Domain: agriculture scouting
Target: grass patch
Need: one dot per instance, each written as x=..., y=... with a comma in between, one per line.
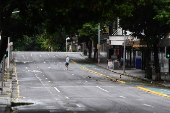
x=13, y=104
x=8, y=91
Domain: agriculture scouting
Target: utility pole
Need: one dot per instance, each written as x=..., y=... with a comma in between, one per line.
x=8, y=52
x=124, y=52
x=8, y=58
x=98, y=45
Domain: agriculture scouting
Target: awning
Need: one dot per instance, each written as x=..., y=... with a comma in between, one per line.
x=139, y=43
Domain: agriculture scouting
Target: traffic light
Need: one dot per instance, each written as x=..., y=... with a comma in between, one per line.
x=6, y=54
x=168, y=52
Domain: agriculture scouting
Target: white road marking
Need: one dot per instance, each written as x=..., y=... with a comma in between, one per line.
x=102, y=89
x=56, y=89
x=122, y=97
x=78, y=105
x=67, y=97
x=148, y=105
x=40, y=55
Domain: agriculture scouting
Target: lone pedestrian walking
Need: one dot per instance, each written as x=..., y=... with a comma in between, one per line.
x=67, y=62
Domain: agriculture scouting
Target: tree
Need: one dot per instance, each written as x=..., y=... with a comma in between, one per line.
x=87, y=34
x=35, y=16
x=16, y=25
x=142, y=21
x=163, y=11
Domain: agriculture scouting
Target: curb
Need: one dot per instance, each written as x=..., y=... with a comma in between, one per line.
x=153, y=92
x=111, y=78
x=134, y=77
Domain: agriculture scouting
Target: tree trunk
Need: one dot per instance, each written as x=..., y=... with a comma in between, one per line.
x=89, y=46
x=156, y=63
x=148, y=63
x=95, y=54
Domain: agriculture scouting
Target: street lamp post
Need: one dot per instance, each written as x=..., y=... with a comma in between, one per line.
x=15, y=12
x=66, y=42
x=9, y=45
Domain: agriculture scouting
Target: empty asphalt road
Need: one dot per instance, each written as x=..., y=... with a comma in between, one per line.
x=84, y=88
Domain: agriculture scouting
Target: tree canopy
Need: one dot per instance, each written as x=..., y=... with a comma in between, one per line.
x=35, y=16
x=54, y=16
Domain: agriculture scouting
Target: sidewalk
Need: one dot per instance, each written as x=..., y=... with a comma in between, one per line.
x=5, y=96
x=132, y=72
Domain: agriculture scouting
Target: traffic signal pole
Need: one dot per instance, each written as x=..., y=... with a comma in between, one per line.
x=169, y=66
x=167, y=51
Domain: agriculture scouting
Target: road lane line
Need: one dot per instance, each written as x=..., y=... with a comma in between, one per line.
x=56, y=89
x=78, y=105
x=67, y=97
x=122, y=97
x=148, y=105
x=102, y=89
